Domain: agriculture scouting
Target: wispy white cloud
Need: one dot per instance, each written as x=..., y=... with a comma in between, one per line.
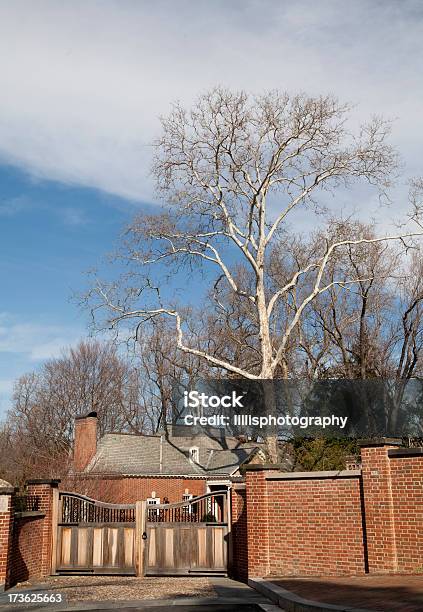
x=35, y=342
x=86, y=80
x=13, y=206
x=68, y=215
x=73, y=216
x=25, y=345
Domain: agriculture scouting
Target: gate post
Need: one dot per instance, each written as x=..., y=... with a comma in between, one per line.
x=140, y=528
x=43, y=489
x=258, y=518
x=228, y=518
x=54, y=527
x=239, y=535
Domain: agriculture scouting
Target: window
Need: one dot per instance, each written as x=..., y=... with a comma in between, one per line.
x=153, y=501
x=194, y=454
x=186, y=497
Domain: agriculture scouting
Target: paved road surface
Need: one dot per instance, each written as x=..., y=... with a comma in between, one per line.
x=231, y=596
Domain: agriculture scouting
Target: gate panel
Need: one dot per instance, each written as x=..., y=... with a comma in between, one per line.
x=94, y=537
x=187, y=538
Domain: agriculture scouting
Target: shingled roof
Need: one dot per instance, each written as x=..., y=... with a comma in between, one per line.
x=138, y=455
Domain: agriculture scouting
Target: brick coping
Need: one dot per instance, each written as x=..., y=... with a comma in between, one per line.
x=8, y=490
x=405, y=452
x=261, y=467
x=54, y=482
x=315, y=475
x=380, y=442
x=29, y=514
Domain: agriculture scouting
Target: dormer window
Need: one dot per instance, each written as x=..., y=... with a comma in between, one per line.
x=194, y=454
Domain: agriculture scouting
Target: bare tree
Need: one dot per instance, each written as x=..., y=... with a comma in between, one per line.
x=374, y=329
x=233, y=171
x=39, y=426
x=344, y=333
x=162, y=368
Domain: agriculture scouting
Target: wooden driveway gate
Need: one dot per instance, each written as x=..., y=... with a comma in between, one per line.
x=94, y=537
x=190, y=537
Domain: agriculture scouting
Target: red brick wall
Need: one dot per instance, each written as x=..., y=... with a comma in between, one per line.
x=315, y=527
x=407, y=501
x=128, y=490
x=239, y=564
x=30, y=552
x=328, y=523
x=26, y=555
x=338, y=525
x=5, y=538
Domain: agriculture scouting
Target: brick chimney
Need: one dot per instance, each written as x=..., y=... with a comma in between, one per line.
x=85, y=443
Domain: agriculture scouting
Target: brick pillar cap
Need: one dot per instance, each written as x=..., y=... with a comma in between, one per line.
x=54, y=482
x=380, y=442
x=8, y=490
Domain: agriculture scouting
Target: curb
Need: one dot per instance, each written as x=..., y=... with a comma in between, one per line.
x=165, y=604
x=294, y=603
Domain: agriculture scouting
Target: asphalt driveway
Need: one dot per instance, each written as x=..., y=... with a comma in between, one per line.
x=98, y=593
x=122, y=588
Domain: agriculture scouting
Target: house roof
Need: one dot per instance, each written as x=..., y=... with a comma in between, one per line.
x=227, y=461
x=138, y=455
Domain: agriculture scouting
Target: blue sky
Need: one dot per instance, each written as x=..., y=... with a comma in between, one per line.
x=50, y=234
x=82, y=85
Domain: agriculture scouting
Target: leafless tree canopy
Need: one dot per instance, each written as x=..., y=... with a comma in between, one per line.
x=235, y=174
x=39, y=428
x=130, y=393
x=233, y=171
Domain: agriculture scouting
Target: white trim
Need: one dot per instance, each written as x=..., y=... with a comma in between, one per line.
x=219, y=483
x=224, y=481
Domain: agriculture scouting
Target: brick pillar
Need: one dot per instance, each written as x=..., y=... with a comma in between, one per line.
x=239, y=536
x=378, y=505
x=43, y=489
x=6, y=526
x=257, y=519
